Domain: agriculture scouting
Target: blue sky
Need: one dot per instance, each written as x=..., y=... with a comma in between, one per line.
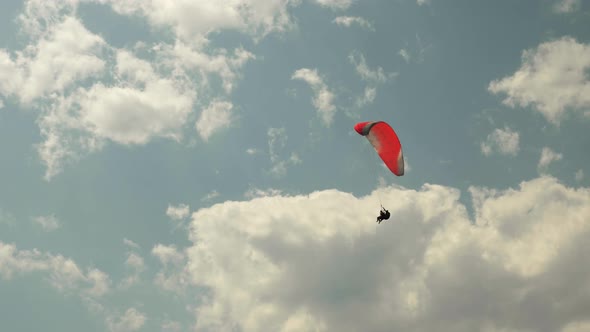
x=192, y=165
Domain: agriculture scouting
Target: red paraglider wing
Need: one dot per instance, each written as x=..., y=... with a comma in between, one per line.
x=386, y=143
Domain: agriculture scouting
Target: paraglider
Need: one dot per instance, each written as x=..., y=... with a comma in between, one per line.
x=385, y=141
x=387, y=145
x=383, y=215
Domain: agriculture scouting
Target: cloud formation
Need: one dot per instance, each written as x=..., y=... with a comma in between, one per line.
x=292, y=264
x=552, y=79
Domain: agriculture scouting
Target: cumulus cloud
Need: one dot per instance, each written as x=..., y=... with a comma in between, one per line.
x=552, y=79
x=294, y=264
x=547, y=157
x=90, y=93
x=348, y=21
x=67, y=53
x=215, y=117
x=131, y=320
x=47, y=223
x=567, y=6
x=193, y=21
x=504, y=141
x=323, y=99
x=63, y=273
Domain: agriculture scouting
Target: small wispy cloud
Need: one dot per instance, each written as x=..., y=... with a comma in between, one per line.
x=405, y=54
x=47, y=223
x=277, y=139
x=547, y=157
x=504, y=141
x=567, y=6
x=348, y=21
x=323, y=99
x=335, y=4
x=257, y=192
x=211, y=195
x=216, y=116
x=130, y=243
x=252, y=151
x=178, y=212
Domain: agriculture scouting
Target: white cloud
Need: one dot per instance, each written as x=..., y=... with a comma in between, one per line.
x=428, y=268
x=579, y=176
x=552, y=79
x=131, y=320
x=348, y=21
x=1, y=104
x=90, y=93
x=567, y=6
x=215, y=117
x=323, y=99
x=143, y=106
x=63, y=273
x=335, y=4
x=178, y=212
x=504, y=141
x=47, y=223
x=65, y=55
x=423, y=2
x=225, y=65
x=547, y=157
x=194, y=20
x=131, y=115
